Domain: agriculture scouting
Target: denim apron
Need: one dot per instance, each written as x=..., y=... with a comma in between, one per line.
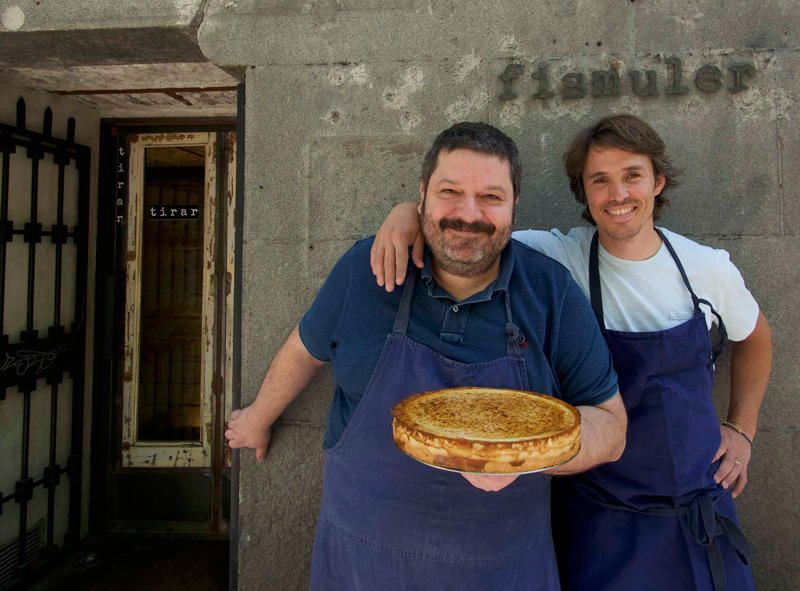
x=656, y=519
x=390, y=523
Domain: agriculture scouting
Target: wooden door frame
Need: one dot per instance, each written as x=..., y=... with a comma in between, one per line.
x=167, y=454
x=110, y=297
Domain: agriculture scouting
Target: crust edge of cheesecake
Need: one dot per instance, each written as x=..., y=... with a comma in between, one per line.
x=482, y=456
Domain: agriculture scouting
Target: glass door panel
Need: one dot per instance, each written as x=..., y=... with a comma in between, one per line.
x=170, y=321
x=170, y=335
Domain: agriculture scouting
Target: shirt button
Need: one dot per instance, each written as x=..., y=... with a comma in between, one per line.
x=455, y=308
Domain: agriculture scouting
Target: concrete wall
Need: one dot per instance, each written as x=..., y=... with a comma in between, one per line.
x=343, y=98
x=34, y=15
x=41, y=34
x=87, y=130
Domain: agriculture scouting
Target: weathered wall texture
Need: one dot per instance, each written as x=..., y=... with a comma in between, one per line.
x=98, y=32
x=87, y=124
x=34, y=15
x=343, y=98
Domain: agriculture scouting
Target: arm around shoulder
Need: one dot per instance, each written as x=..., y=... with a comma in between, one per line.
x=389, y=254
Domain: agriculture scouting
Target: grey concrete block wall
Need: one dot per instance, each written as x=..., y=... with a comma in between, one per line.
x=343, y=98
x=55, y=35
x=358, y=31
x=789, y=134
x=769, y=508
x=91, y=14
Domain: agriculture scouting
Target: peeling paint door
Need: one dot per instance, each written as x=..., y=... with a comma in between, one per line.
x=177, y=350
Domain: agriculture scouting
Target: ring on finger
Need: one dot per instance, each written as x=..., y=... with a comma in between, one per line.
x=738, y=463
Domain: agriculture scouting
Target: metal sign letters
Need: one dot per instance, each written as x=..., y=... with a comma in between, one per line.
x=574, y=85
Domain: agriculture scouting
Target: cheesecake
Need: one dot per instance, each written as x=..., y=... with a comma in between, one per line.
x=487, y=430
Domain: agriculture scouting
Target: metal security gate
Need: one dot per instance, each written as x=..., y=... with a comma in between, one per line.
x=43, y=267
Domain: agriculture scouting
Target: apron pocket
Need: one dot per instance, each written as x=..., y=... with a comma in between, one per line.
x=694, y=435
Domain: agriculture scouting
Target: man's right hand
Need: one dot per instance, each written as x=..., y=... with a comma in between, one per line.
x=243, y=431
x=389, y=255
x=490, y=482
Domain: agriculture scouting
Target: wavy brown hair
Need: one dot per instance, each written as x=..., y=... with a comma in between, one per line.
x=625, y=132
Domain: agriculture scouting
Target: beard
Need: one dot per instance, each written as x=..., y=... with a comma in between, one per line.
x=464, y=256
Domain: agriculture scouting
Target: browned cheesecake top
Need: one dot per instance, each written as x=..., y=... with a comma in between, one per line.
x=486, y=414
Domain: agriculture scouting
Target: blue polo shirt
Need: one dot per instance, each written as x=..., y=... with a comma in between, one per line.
x=351, y=317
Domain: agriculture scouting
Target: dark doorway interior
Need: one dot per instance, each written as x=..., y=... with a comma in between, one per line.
x=172, y=291
x=123, y=564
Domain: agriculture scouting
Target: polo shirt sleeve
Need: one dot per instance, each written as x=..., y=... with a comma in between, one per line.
x=320, y=322
x=583, y=363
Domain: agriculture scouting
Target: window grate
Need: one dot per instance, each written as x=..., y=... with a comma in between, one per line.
x=9, y=554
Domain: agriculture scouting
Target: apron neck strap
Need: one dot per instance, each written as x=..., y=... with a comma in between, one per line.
x=596, y=296
x=515, y=337
x=695, y=299
x=404, y=312
x=594, y=276
x=716, y=349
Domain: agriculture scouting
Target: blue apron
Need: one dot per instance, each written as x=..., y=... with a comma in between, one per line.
x=390, y=523
x=655, y=519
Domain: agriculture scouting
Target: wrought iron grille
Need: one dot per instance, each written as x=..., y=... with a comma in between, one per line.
x=29, y=357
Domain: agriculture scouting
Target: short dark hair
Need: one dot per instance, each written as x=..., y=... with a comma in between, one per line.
x=625, y=132
x=477, y=137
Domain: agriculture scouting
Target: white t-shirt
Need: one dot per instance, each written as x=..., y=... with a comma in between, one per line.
x=641, y=296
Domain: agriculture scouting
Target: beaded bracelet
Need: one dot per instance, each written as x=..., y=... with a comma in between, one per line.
x=738, y=429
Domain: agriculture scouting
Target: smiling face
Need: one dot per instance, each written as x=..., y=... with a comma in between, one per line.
x=467, y=211
x=620, y=191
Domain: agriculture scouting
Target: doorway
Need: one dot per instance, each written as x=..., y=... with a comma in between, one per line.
x=169, y=327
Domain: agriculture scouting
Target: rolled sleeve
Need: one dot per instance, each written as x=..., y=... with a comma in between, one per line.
x=584, y=366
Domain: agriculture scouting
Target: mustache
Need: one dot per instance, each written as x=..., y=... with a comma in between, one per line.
x=462, y=226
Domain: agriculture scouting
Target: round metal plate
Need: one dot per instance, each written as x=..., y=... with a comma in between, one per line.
x=493, y=473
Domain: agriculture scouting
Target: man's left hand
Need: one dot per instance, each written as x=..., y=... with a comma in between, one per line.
x=490, y=483
x=735, y=451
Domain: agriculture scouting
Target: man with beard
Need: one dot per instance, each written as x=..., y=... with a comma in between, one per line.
x=387, y=522
x=662, y=513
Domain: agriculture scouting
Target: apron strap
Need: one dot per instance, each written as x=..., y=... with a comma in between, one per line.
x=404, y=311
x=722, y=333
x=695, y=299
x=716, y=349
x=595, y=294
x=515, y=337
x=705, y=522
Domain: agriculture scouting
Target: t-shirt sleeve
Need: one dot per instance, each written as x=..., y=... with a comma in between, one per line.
x=738, y=307
x=539, y=240
x=583, y=363
x=552, y=244
x=319, y=323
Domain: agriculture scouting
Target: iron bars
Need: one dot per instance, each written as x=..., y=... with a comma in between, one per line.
x=33, y=358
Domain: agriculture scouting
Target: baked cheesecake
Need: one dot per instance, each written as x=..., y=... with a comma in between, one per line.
x=487, y=430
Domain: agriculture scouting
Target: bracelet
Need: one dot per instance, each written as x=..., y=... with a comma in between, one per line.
x=738, y=429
